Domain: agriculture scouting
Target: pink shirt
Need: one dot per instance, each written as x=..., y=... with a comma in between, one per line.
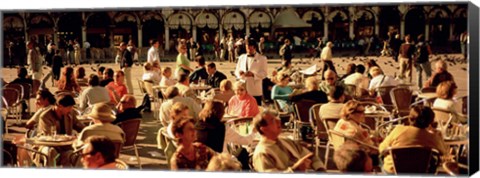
x=245, y=106
x=119, y=89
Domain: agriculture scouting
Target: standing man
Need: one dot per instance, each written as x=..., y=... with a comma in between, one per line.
x=70, y=52
x=34, y=61
x=395, y=43
x=252, y=68
x=86, y=45
x=405, y=58
x=422, y=63
x=153, y=53
x=463, y=44
x=126, y=66
x=261, y=46
x=286, y=51
x=319, y=47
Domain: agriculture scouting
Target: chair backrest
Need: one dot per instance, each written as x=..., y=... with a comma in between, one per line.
x=443, y=118
x=384, y=93
x=329, y=124
x=148, y=88
x=130, y=128
x=413, y=159
x=401, y=98
x=302, y=109
x=316, y=121
x=17, y=87
x=11, y=96
x=27, y=90
x=35, y=86
x=451, y=168
x=141, y=86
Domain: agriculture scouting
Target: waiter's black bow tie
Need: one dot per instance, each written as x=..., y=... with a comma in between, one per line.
x=251, y=55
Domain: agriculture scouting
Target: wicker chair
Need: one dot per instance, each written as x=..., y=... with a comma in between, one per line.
x=131, y=128
x=401, y=99
x=413, y=159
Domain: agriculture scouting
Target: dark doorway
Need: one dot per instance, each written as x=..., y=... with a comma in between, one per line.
x=70, y=27
x=415, y=23
x=98, y=30
x=389, y=20
x=153, y=29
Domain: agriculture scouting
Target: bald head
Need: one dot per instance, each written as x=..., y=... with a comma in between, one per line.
x=330, y=76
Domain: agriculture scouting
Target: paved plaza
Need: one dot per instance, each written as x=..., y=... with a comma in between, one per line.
x=153, y=159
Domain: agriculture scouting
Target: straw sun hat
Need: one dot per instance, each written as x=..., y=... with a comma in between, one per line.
x=102, y=112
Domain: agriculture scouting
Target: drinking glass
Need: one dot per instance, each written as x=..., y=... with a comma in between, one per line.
x=53, y=131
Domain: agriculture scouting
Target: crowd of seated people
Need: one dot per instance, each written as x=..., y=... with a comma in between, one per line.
x=198, y=126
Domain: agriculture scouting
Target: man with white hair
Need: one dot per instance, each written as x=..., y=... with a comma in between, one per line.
x=277, y=154
x=379, y=79
x=441, y=74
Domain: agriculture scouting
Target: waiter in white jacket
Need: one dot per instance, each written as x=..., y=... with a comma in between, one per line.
x=252, y=69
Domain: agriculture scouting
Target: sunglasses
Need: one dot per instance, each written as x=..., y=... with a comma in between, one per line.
x=329, y=78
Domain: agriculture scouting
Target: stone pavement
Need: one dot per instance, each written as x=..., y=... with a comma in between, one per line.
x=153, y=158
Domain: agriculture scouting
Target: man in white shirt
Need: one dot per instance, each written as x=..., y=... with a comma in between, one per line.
x=153, y=54
x=252, y=68
x=94, y=93
x=358, y=79
x=173, y=95
x=277, y=154
x=379, y=79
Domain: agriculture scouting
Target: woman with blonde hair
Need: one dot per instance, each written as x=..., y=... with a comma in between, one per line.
x=445, y=93
x=352, y=117
x=224, y=162
x=242, y=104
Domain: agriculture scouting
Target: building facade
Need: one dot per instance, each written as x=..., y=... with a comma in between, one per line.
x=440, y=24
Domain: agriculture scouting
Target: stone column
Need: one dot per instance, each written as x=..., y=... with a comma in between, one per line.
x=220, y=34
x=451, y=37
x=402, y=29
x=194, y=33
x=351, y=30
x=167, y=38
x=247, y=29
x=427, y=31
x=140, y=36
x=55, y=35
x=84, y=34
x=325, y=29
x=377, y=28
